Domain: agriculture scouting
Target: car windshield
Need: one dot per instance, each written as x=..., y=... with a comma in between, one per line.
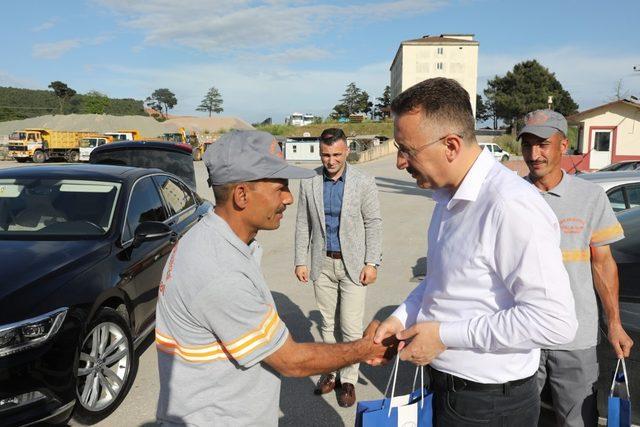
x=36, y=207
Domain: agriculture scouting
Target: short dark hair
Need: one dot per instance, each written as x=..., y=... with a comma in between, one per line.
x=441, y=99
x=222, y=193
x=331, y=135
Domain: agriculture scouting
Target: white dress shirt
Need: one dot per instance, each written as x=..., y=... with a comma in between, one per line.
x=495, y=278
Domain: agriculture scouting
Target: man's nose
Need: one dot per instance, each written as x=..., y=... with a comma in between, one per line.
x=287, y=197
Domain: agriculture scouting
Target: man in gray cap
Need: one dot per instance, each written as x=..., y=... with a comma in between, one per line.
x=221, y=344
x=588, y=225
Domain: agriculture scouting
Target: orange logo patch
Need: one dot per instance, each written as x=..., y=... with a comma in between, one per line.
x=539, y=118
x=572, y=225
x=275, y=149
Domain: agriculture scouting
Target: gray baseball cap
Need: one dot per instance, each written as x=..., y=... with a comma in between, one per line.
x=240, y=156
x=544, y=123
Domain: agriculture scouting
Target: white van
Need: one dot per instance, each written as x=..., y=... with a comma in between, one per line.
x=496, y=150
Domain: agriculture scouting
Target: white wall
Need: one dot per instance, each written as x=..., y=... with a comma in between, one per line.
x=302, y=150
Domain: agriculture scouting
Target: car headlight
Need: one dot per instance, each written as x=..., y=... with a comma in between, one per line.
x=29, y=333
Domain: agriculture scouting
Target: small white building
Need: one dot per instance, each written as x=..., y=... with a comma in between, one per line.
x=454, y=56
x=299, y=119
x=607, y=134
x=302, y=149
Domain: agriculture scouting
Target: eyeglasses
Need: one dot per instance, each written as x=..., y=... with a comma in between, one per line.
x=407, y=153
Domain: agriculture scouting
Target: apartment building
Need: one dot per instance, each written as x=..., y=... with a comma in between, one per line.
x=453, y=56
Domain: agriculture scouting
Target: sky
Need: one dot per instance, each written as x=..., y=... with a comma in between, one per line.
x=274, y=57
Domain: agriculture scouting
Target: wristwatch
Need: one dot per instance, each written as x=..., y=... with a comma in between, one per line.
x=374, y=265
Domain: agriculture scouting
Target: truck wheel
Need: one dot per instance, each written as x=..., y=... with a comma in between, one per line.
x=73, y=156
x=504, y=159
x=106, y=368
x=39, y=157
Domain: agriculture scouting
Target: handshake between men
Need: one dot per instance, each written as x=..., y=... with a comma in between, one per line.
x=419, y=344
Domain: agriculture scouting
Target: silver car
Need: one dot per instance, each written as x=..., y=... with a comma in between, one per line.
x=622, y=188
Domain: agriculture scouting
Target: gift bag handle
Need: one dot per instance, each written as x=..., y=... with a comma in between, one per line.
x=615, y=374
x=394, y=376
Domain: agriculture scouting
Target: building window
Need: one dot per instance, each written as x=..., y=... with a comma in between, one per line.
x=311, y=148
x=440, y=50
x=602, y=141
x=294, y=148
x=439, y=66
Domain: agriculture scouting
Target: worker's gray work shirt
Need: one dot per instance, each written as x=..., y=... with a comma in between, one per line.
x=216, y=322
x=586, y=219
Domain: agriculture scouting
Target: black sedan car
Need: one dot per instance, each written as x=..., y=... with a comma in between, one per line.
x=82, y=250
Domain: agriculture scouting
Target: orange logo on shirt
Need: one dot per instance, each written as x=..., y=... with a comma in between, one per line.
x=169, y=273
x=572, y=225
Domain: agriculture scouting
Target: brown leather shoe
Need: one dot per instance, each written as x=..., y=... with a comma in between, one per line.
x=347, y=395
x=326, y=384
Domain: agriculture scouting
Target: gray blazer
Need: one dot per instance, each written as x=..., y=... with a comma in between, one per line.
x=360, y=224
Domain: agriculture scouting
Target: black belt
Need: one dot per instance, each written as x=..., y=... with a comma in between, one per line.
x=449, y=382
x=334, y=254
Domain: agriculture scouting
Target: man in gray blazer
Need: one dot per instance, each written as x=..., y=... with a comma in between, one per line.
x=339, y=222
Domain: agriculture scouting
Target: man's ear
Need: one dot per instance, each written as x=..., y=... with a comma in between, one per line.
x=564, y=144
x=453, y=144
x=240, y=193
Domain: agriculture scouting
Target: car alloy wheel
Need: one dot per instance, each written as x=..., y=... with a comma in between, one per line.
x=106, y=366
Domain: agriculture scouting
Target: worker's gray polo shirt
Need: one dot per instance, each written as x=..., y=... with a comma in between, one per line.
x=216, y=321
x=586, y=219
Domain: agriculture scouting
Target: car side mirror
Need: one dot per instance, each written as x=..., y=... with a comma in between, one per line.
x=151, y=230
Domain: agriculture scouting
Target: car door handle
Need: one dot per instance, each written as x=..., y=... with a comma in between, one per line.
x=156, y=257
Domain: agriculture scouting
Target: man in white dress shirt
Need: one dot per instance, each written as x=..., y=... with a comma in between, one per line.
x=495, y=289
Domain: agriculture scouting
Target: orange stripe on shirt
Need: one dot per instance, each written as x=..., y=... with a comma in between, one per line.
x=578, y=255
x=607, y=233
x=239, y=349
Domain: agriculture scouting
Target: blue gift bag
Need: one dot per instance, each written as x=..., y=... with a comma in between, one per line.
x=619, y=403
x=414, y=409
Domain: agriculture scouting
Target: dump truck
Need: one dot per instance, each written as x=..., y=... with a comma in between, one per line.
x=42, y=144
x=89, y=142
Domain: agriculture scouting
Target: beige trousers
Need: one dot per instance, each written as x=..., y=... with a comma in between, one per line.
x=333, y=286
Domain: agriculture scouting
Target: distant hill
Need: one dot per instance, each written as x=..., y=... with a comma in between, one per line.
x=18, y=104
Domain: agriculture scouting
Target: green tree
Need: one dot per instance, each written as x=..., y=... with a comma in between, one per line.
x=162, y=100
x=350, y=103
x=364, y=105
x=381, y=110
x=94, y=102
x=212, y=102
x=482, y=112
x=63, y=92
x=526, y=88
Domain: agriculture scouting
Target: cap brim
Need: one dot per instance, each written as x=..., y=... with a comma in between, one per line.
x=539, y=131
x=294, y=172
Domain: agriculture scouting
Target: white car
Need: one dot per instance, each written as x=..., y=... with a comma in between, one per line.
x=496, y=150
x=622, y=188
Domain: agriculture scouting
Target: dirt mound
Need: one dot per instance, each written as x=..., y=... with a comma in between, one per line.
x=209, y=124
